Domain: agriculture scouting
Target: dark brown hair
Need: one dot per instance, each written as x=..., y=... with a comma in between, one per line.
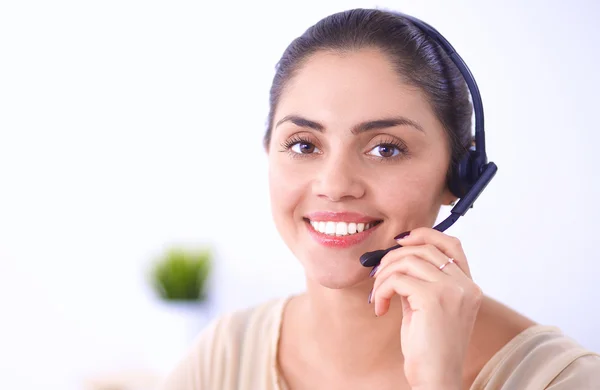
x=418, y=59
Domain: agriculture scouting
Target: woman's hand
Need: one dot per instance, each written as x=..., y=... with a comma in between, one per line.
x=439, y=305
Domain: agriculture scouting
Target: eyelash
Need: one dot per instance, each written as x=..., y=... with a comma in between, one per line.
x=296, y=139
x=401, y=146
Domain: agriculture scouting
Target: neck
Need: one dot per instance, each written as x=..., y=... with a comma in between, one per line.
x=342, y=327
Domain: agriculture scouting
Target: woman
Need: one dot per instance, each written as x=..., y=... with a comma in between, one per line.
x=367, y=117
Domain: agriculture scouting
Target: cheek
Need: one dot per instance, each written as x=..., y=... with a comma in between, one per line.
x=414, y=195
x=287, y=187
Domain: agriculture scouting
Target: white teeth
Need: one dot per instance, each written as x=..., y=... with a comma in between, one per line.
x=340, y=228
x=351, y=228
x=329, y=228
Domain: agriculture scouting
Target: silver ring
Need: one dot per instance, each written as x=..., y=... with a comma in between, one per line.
x=450, y=261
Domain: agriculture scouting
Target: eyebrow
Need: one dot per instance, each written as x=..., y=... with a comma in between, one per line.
x=359, y=128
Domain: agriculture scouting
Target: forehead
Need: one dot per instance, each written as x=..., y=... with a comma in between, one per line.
x=345, y=88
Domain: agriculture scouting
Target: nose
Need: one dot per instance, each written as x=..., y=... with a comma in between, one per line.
x=338, y=179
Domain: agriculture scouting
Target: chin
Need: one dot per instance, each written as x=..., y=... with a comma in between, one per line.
x=336, y=274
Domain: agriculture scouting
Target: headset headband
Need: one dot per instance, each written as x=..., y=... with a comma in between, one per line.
x=469, y=79
x=474, y=164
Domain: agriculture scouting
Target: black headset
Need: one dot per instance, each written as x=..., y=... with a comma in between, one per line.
x=472, y=173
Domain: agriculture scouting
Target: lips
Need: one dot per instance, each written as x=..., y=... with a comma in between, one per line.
x=340, y=230
x=346, y=216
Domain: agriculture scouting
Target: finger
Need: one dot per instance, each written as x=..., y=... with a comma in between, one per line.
x=427, y=253
x=399, y=284
x=408, y=265
x=405, y=306
x=449, y=245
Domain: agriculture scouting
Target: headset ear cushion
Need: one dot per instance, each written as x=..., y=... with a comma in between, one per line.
x=465, y=173
x=461, y=180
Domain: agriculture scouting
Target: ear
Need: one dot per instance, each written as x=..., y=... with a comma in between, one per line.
x=448, y=198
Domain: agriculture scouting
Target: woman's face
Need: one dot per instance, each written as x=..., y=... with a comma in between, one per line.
x=356, y=157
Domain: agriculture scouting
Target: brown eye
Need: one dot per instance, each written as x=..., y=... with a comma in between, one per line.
x=303, y=148
x=385, y=151
x=307, y=148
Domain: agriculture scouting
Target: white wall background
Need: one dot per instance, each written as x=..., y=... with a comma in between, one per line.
x=127, y=126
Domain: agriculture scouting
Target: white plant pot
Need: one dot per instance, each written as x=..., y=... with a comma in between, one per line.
x=180, y=322
x=189, y=317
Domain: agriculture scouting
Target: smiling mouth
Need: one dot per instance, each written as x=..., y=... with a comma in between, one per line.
x=336, y=229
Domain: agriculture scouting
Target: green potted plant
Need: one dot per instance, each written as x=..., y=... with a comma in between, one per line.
x=179, y=280
x=181, y=275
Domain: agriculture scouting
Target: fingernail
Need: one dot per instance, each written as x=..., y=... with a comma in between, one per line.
x=370, y=296
x=374, y=270
x=402, y=235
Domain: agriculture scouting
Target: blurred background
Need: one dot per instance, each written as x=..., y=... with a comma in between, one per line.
x=131, y=130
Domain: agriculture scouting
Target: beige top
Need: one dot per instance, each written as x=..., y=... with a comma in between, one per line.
x=239, y=351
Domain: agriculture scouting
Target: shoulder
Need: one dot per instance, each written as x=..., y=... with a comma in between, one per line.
x=541, y=357
x=581, y=373
x=221, y=353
